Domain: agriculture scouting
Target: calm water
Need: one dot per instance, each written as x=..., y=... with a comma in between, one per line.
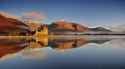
x=62, y=53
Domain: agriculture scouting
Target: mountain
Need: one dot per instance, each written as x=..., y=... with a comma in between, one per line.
x=64, y=26
x=11, y=26
x=97, y=29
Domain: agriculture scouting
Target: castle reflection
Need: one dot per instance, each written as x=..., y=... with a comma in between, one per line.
x=9, y=46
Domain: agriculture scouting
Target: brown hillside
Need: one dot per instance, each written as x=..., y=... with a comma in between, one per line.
x=67, y=26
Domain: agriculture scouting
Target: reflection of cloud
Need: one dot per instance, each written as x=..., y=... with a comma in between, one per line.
x=115, y=43
x=8, y=57
x=8, y=15
x=30, y=53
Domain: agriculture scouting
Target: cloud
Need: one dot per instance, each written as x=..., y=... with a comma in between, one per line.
x=34, y=15
x=8, y=15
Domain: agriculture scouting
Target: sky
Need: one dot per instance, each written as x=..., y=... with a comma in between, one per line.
x=86, y=12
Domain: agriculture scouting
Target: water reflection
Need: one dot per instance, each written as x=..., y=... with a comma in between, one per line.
x=46, y=52
x=30, y=47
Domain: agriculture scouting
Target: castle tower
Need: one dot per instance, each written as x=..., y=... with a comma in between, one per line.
x=42, y=30
x=41, y=34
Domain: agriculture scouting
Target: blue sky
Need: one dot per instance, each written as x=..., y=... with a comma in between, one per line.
x=86, y=12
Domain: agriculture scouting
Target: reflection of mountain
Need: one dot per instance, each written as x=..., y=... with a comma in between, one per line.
x=67, y=43
x=73, y=43
x=11, y=46
x=98, y=41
